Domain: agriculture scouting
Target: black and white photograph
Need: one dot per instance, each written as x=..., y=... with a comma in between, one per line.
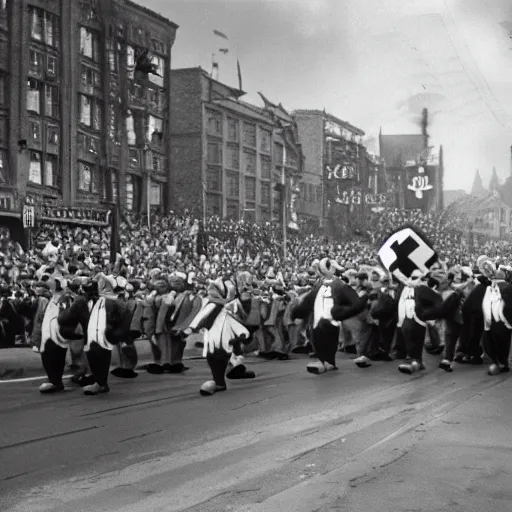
x=255, y=255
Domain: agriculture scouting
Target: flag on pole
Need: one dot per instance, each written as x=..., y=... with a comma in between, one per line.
x=220, y=34
x=239, y=75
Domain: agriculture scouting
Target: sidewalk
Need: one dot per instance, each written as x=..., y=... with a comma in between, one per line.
x=19, y=362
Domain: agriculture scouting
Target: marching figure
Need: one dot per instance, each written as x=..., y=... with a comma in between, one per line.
x=331, y=301
x=224, y=334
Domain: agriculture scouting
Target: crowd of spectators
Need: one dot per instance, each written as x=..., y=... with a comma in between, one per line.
x=180, y=243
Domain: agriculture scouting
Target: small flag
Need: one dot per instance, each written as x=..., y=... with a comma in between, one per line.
x=239, y=75
x=223, y=50
x=220, y=34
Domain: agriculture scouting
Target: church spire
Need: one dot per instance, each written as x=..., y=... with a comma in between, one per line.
x=494, y=184
x=478, y=187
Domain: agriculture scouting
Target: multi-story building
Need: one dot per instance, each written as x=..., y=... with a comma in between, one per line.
x=229, y=157
x=84, y=97
x=339, y=176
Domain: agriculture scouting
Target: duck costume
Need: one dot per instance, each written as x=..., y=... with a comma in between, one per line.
x=330, y=302
x=224, y=334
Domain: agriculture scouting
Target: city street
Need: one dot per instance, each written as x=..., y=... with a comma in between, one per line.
x=356, y=440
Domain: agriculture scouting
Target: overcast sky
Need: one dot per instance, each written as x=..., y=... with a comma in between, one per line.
x=374, y=63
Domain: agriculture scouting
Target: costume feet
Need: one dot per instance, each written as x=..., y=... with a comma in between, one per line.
x=124, y=373
x=155, y=369
x=446, y=365
x=175, y=368
x=209, y=388
x=240, y=372
x=362, y=362
x=411, y=368
x=48, y=387
x=95, y=389
x=495, y=369
x=83, y=380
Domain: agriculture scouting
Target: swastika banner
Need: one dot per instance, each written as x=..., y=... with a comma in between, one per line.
x=405, y=251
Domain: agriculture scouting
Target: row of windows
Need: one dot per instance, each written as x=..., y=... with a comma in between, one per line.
x=232, y=159
x=234, y=210
x=43, y=98
x=44, y=27
x=214, y=184
x=215, y=126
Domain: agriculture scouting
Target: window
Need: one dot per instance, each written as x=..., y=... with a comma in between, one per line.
x=90, y=112
x=35, y=130
x=250, y=212
x=278, y=153
x=51, y=171
x=250, y=189
x=159, y=63
x=249, y=162
x=213, y=205
x=130, y=129
x=155, y=194
x=133, y=158
x=87, y=178
x=318, y=194
x=232, y=184
x=89, y=144
x=44, y=27
x=233, y=210
x=113, y=56
x=291, y=159
x=265, y=141
x=155, y=97
x=3, y=129
x=129, y=192
x=52, y=134
x=51, y=101
x=214, y=153
x=158, y=46
x=34, y=96
x=36, y=62
x=265, y=193
x=36, y=168
x=213, y=180
x=214, y=123
x=158, y=163
x=130, y=62
x=233, y=157
x=155, y=130
x=250, y=134
x=115, y=185
x=52, y=65
x=90, y=78
x=264, y=214
x=233, y=129
x=3, y=166
x=89, y=44
x=266, y=168
x=3, y=89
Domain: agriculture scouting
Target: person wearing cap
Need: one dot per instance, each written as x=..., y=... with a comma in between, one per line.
x=224, y=333
x=330, y=302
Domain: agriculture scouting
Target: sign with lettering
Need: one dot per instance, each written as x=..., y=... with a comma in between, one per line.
x=420, y=184
x=341, y=172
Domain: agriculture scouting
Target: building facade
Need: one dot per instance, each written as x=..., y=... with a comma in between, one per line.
x=229, y=158
x=340, y=177
x=82, y=121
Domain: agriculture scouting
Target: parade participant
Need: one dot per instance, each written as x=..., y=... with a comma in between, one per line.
x=65, y=319
x=497, y=310
x=330, y=302
x=108, y=325
x=223, y=332
x=470, y=347
x=186, y=307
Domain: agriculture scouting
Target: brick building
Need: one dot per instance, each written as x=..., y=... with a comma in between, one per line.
x=227, y=156
x=339, y=173
x=82, y=122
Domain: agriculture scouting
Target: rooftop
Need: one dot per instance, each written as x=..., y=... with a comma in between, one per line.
x=331, y=118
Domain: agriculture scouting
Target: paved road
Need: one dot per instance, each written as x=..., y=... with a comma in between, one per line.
x=368, y=440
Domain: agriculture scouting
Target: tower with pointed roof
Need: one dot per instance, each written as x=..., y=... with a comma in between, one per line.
x=494, y=184
x=478, y=187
